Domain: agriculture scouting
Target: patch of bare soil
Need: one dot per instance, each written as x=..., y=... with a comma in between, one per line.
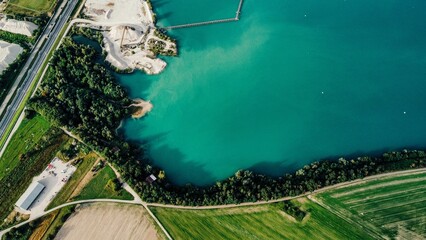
x=108, y=221
x=86, y=179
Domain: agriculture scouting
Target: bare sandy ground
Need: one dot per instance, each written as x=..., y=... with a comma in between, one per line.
x=105, y=221
x=128, y=25
x=129, y=11
x=144, y=108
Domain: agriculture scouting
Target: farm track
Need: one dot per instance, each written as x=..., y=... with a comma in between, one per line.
x=423, y=217
x=411, y=211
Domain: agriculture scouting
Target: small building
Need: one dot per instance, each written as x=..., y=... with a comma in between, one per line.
x=32, y=192
x=151, y=178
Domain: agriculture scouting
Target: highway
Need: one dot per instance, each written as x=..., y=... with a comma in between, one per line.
x=37, y=57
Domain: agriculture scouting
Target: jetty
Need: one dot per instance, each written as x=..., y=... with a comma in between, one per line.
x=196, y=24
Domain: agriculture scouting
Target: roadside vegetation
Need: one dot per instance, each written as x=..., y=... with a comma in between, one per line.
x=20, y=39
x=104, y=185
x=256, y=222
x=394, y=207
x=8, y=75
x=27, y=135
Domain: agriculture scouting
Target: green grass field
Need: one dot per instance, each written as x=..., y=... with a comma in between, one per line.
x=30, y=7
x=28, y=134
x=256, y=222
x=82, y=169
x=98, y=187
x=394, y=206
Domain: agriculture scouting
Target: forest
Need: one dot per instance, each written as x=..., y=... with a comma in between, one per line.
x=83, y=97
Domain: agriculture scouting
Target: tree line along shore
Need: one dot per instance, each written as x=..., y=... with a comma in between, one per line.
x=83, y=97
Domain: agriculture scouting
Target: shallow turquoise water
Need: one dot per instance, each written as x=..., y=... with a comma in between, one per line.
x=291, y=83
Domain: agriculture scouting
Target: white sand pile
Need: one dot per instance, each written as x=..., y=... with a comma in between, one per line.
x=118, y=11
x=8, y=53
x=14, y=26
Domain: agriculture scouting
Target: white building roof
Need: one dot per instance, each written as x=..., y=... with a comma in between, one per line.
x=30, y=195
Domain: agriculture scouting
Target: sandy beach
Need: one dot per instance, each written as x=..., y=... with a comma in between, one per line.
x=142, y=108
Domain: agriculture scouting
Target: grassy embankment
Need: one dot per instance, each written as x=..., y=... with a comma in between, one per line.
x=393, y=206
x=27, y=135
x=83, y=167
x=30, y=7
x=101, y=187
x=256, y=222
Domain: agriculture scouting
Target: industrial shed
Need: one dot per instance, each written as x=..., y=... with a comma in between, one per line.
x=32, y=192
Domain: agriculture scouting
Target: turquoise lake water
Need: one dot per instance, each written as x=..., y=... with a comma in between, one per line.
x=294, y=81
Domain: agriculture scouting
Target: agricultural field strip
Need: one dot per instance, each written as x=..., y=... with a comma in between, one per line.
x=382, y=196
x=399, y=212
x=381, y=185
x=413, y=222
x=374, y=181
x=347, y=216
x=386, y=198
x=389, y=189
x=27, y=135
x=27, y=7
x=401, y=202
x=382, y=220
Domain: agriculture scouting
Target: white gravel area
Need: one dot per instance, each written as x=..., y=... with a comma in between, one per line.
x=8, y=53
x=15, y=26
